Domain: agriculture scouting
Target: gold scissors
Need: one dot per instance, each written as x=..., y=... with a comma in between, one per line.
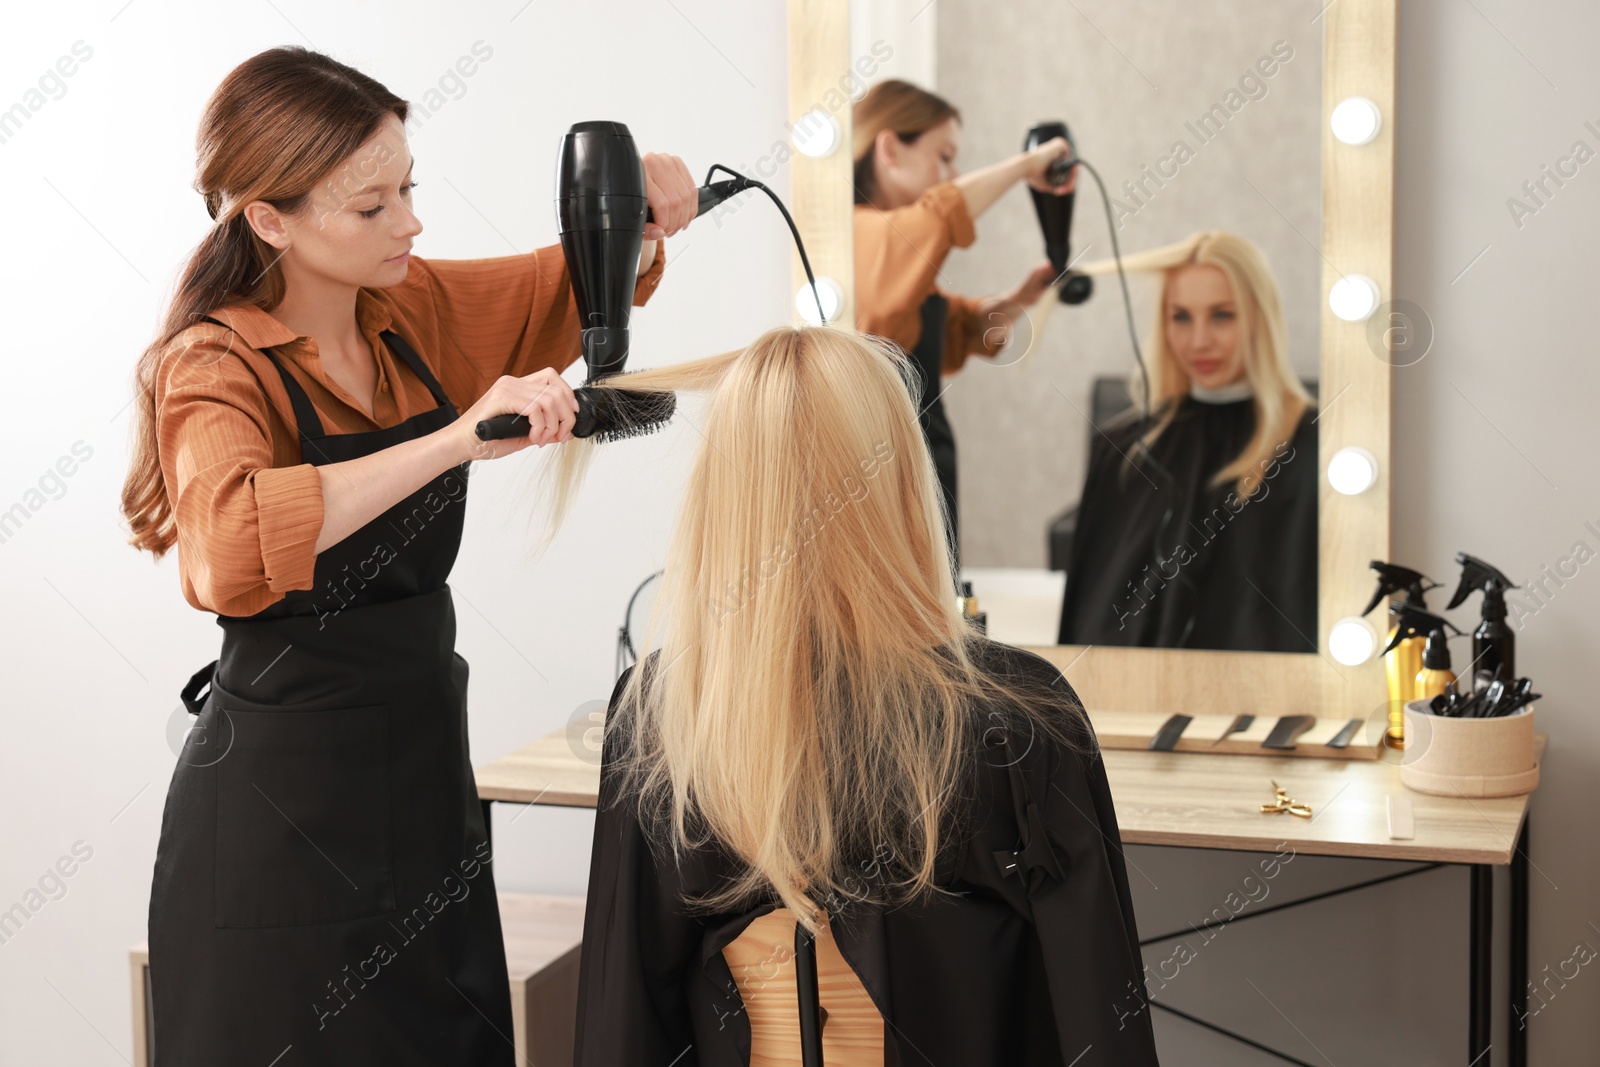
x=1286, y=803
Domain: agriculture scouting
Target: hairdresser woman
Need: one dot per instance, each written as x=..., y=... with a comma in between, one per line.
x=911, y=208
x=322, y=892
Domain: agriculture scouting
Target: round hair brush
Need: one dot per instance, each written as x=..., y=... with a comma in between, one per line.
x=604, y=414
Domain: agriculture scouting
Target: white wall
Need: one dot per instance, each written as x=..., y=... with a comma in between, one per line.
x=1494, y=429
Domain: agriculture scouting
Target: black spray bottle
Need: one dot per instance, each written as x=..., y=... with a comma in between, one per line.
x=1493, y=644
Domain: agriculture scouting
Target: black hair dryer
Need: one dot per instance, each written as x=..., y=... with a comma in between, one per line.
x=601, y=211
x=1055, y=215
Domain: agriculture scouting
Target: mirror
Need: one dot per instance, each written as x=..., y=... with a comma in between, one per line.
x=1070, y=531
x=832, y=60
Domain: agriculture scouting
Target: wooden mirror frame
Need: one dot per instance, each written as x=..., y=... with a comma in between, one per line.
x=1357, y=237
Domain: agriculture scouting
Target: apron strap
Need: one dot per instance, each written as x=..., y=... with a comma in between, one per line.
x=928, y=353
x=305, y=416
x=308, y=424
x=419, y=368
x=191, y=692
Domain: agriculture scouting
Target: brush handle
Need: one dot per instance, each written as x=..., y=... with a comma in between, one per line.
x=504, y=427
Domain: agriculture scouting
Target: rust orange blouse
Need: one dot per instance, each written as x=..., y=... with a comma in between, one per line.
x=247, y=509
x=898, y=254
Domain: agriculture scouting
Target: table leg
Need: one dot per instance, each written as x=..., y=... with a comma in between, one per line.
x=1480, y=951
x=488, y=823
x=1517, y=1030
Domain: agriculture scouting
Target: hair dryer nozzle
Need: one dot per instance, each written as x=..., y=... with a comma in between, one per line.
x=1075, y=288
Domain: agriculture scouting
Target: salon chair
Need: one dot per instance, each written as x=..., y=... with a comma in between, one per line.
x=771, y=972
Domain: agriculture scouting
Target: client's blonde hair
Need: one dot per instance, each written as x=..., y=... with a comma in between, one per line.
x=1280, y=398
x=815, y=703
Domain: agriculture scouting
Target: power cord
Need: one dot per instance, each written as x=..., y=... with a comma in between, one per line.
x=1139, y=446
x=751, y=183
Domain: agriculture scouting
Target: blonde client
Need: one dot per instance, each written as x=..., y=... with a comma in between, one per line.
x=822, y=739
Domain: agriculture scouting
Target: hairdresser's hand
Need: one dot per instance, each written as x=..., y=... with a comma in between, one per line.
x=1001, y=311
x=1033, y=286
x=1039, y=160
x=673, y=194
x=543, y=396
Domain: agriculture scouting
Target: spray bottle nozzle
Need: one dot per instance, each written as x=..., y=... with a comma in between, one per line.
x=1436, y=655
x=1392, y=578
x=1479, y=574
x=1414, y=622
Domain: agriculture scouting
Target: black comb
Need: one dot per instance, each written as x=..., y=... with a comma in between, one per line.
x=604, y=414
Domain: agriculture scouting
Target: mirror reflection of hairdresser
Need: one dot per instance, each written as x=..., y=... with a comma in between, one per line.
x=822, y=737
x=911, y=208
x=322, y=893
x=1214, y=544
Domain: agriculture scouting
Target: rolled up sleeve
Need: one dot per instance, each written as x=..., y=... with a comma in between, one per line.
x=246, y=529
x=898, y=255
x=289, y=511
x=969, y=333
x=509, y=315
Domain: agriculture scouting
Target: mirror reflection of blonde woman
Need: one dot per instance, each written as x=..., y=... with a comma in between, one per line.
x=1199, y=529
x=821, y=737
x=911, y=209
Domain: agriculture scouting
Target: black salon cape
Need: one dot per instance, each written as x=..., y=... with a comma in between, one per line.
x=1234, y=573
x=1038, y=967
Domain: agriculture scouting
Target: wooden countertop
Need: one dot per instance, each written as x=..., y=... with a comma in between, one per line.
x=1162, y=798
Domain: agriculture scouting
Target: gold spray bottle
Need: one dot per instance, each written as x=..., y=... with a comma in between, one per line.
x=1435, y=673
x=1402, y=653
x=1405, y=656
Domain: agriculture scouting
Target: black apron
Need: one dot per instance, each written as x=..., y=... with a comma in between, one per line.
x=928, y=355
x=322, y=890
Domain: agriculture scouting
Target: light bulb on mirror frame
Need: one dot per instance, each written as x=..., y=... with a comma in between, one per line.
x=1351, y=641
x=1355, y=121
x=1352, y=470
x=1354, y=297
x=805, y=303
x=816, y=134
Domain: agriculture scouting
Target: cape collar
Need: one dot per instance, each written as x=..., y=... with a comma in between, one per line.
x=1225, y=394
